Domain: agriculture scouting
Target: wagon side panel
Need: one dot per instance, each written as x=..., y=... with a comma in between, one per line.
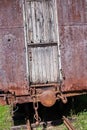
x=11, y=13
x=72, y=17
x=12, y=47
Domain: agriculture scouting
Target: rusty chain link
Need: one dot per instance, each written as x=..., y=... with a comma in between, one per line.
x=35, y=106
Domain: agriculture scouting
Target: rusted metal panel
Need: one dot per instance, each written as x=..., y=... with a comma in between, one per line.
x=12, y=47
x=41, y=31
x=72, y=12
x=11, y=13
x=73, y=40
x=12, y=58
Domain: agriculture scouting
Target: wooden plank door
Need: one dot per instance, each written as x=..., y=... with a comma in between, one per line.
x=42, y=41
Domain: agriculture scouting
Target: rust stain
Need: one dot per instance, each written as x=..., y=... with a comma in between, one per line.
x=48, y=98
x=2, y=102
x=71, y=11
x=11, y=13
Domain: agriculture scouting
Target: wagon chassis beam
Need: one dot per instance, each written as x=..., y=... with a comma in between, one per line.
x=8, y=98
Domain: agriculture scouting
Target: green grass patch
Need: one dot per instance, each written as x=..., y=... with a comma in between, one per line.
x=81, y=121
x=5, y=118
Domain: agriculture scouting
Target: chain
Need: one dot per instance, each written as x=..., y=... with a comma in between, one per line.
x=62, y=97
x=35, y=106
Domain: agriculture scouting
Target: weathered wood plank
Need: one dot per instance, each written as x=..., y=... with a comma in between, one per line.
x=42, y=31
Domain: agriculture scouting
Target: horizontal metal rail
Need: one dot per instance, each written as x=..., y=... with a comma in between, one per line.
x=42, y=44
x=29, y=126
x=45, y=85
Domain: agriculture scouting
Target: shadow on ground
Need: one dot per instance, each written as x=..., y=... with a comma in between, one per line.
x=54, y=114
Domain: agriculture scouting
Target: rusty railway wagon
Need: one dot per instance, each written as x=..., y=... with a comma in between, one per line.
x=43, y=50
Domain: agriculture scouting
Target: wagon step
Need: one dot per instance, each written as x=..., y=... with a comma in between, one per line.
x=45, y=85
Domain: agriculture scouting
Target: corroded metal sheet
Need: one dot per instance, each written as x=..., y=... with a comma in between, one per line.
x=72, y=12
x=42, y=45
x=12, y=47
x=11, y=13
x=73, y=40
x=12, y=59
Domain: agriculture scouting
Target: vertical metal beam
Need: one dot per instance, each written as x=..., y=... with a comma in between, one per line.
x=25, y=37
x=28, y=125
x=58, y=40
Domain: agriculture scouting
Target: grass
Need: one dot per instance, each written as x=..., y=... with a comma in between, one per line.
x=5, y=118
x=81, y=121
